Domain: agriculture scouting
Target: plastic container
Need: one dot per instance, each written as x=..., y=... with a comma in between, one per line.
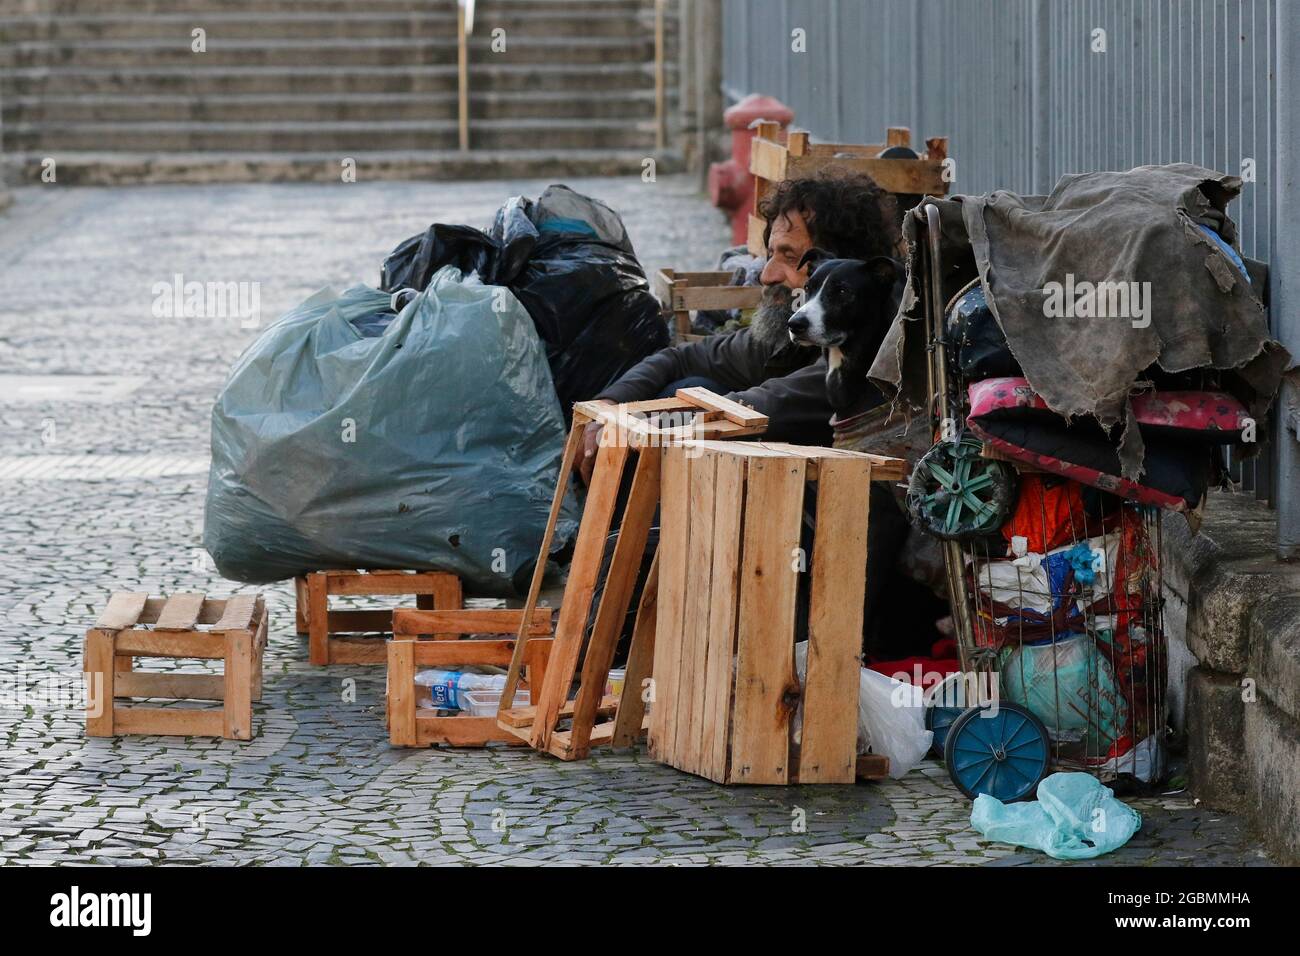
x=482, y=703
x=447, y=689
x=614, y=686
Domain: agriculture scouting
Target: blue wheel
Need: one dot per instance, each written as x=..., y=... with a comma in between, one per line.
x=945, y=702
x=1004, y=754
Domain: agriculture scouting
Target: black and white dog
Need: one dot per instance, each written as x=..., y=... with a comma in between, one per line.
x=847, y=310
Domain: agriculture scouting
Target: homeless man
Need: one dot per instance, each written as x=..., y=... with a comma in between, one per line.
x=848, y=216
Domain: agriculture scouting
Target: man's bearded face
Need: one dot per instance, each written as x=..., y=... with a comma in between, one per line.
x=773, y=312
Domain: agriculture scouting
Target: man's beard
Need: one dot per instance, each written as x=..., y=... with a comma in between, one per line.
x=770, y=324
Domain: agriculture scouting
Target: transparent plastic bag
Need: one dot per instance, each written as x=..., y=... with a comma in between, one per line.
x=891, y=717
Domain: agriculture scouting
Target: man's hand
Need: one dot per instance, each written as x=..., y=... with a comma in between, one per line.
x=590, y=444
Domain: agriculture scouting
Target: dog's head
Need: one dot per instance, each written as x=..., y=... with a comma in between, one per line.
x=843, y=296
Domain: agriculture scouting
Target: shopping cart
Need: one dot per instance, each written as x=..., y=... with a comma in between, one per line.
x=1059, y=631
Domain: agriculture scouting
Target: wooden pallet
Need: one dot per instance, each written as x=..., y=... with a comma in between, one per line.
x=133, y=626
x=772, y=161
x=681, y=293
x=432, y=589
x=634, y=439
x=410, y=725
x=731, y=559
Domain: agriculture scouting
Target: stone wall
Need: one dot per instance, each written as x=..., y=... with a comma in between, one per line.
x=1233, y=619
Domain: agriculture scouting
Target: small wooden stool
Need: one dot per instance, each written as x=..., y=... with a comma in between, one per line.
x=433, y=590
x=183, y=625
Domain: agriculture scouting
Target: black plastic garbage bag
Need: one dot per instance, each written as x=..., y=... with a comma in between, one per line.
x=568, y=259
x=352, y=436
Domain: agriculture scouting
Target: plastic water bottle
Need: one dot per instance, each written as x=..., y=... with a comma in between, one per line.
x=446, y=688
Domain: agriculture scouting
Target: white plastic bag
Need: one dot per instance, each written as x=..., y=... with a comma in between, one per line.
x=891, y=716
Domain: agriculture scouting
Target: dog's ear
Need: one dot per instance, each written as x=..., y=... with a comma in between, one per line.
x=814, y=257
x=884, y=270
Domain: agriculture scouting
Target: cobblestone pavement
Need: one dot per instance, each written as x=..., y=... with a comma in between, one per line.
x=319, y=784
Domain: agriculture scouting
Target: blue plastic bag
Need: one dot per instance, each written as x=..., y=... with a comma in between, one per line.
x=1074, y=818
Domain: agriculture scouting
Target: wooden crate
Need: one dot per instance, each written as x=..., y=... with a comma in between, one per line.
x=725, y=686
x=410, y=725
x=772, y=161
x=432, y=590
x=639, y=433
x=133, y=626
x=682, y=293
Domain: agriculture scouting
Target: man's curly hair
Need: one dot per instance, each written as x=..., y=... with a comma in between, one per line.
x=847, y=214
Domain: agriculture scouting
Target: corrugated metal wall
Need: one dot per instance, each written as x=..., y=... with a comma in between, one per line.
x=1181, y=80
x=1018, y=89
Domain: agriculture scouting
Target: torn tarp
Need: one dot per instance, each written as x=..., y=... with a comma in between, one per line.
x=1083, y=345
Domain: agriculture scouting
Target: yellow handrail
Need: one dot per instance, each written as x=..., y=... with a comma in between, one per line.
x=464, y=27
x=660, y=81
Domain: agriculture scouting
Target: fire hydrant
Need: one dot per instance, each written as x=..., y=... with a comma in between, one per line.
x=731, y=186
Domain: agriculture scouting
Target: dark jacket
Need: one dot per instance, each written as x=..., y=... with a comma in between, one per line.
x=786, y=383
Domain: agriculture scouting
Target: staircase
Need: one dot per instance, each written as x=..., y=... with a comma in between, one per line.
x=291, y=89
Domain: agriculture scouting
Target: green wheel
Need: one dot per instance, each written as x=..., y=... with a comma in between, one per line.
x=956, y=494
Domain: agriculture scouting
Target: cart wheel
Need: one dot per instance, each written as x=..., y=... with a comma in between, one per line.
x=1004, y=754
x=956, y=494
x=944, y=703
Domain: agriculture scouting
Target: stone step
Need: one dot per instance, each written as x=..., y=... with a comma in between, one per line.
x=352, y=107
x=348, y=137
x=209, y=81
x=71, y=30
x=384, y=51
x=106, y=169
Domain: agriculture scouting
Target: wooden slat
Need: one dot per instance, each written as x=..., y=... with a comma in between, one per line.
x=487, y=652
x=174, y=686
x=716, y=297
x=123, y=610
x=872, y=767
x=387, y=583
x=516, y=717
x=460, y=731
x=640, y=661
x=839, y=564
x=237, y=615
x=238, y=709
x=401, y=693
x=883, y=468
x=357, y=650
x=101, y=674
x=729, y=484
x=139, y=643
x=408, y=621
x=768, y=160
x=674, y=539
x=567, y=463
x=766, y=686
x=754, y=236
x=180, y=613
x=620, y=579
x=907, y=176
x=171, y=722
x=731, y=410
x=583, y=572
x=690, y=700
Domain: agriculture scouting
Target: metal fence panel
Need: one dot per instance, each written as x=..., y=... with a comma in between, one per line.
x=1029, y=90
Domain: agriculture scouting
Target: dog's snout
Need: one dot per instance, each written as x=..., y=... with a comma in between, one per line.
x=798, y=323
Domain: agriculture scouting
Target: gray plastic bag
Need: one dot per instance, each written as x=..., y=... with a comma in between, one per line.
x=433, y=442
